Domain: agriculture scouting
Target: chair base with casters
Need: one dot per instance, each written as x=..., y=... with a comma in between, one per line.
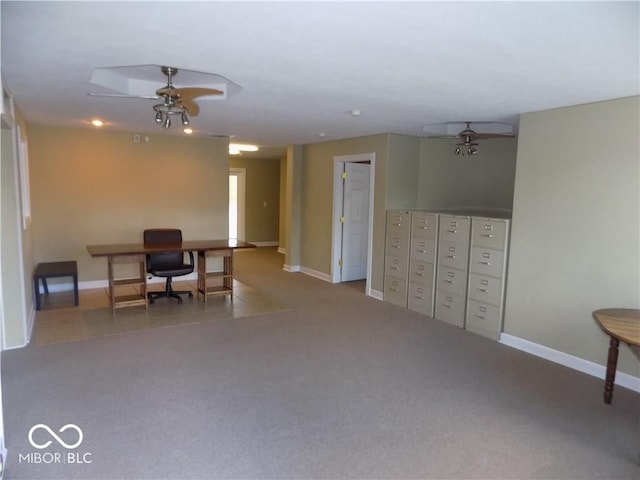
x=169, y=292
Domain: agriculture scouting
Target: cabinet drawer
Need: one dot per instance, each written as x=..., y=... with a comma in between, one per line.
x=450, y=308
x=484, y=319
x=395, y=291
x=491, y=233
x=452, y=280
x=486, y=261
x=453, y=255
x=398, y=245
x=421, y=273
x=423, y=249
x=420, y=299
x=398, y=223
x=397, y=267
x=485, y=289
x=424, y=225
x=454, y=229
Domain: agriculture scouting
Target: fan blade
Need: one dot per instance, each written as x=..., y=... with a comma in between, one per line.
x=486, y=136
x=189, y=93
x=191, y=106
x=120, y=95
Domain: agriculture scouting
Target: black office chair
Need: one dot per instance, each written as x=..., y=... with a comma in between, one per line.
x=169, y=264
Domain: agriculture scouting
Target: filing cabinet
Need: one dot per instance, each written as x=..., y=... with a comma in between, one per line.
x=396, y=267
x=422, y=260
x=487, y=267
x=448, y=266
x=452, y=271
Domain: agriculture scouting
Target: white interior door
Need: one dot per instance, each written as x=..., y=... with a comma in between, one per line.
x=355, y=221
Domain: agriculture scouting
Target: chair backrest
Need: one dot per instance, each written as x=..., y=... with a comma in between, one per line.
x=163, y=236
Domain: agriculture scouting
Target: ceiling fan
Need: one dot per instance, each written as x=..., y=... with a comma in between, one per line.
x=140, y=81
x=468, y=137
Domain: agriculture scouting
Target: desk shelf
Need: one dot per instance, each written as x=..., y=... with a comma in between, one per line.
x=215, y=283
x=128, y=300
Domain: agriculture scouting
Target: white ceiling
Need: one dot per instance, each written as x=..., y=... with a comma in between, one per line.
x=302, y=66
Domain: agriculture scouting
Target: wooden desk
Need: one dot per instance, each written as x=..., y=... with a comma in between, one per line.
x=620, y=324
x=136, y=253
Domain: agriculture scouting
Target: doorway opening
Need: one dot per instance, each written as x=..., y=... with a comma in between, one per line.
x=237, y=200
x=352, y=236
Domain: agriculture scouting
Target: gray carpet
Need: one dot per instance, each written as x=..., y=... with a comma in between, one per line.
x=339, y=386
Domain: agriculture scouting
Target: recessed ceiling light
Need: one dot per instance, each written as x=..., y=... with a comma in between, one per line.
x=355, y=112
x=238, y=148
x=96, y=122
x=188, y=131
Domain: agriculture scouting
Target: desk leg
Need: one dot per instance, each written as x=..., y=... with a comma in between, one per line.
x=612, y=362
x=202, y=275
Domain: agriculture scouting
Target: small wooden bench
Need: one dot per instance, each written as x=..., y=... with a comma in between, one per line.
x=54, y=270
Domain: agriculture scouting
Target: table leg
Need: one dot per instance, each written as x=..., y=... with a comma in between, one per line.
x=36, y=289
x=612, y=362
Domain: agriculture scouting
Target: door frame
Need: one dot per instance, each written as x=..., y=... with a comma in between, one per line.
x=241, y=173
x=338, y=193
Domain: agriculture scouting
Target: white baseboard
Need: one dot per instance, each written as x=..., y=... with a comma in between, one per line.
x=316, y=274
x=291, y=268
x=377, y=294
x=282, y=250
x=68, y=286
x=585, y=366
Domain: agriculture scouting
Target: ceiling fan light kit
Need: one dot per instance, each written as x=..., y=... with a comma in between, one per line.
x=172, y=102
x=469, y=137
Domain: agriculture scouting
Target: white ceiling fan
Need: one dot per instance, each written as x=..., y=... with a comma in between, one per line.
x=141, y=81
x=468, y=137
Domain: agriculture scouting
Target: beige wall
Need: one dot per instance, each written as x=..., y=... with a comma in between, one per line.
x=575, y=236
x=262, y=208
x=98, y=186
x=16, y=244
x=402, y=168
x=317, y=201
x=483, y=181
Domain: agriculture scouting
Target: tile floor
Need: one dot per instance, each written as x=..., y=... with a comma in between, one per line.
x=60, y=321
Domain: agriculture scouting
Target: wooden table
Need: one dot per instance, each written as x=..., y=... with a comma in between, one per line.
x=620, y=324
x=122, y=253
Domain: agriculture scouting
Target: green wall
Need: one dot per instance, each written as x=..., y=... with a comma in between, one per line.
x=262, y=208
x=576, y=227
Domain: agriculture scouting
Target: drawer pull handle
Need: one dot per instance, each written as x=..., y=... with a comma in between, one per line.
x=395, y=246
x=488, y=235
x=451, y=256
x=481, y=290
x=393, y=268
x=393, y=289
x=420, y=274
x=423, y=228
x=449, y=281
x=398, y=224
x=485, y=263
x=480, y=317
x=452, y=231
x=418, y=297
x=445, y=305
x=422, y=251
